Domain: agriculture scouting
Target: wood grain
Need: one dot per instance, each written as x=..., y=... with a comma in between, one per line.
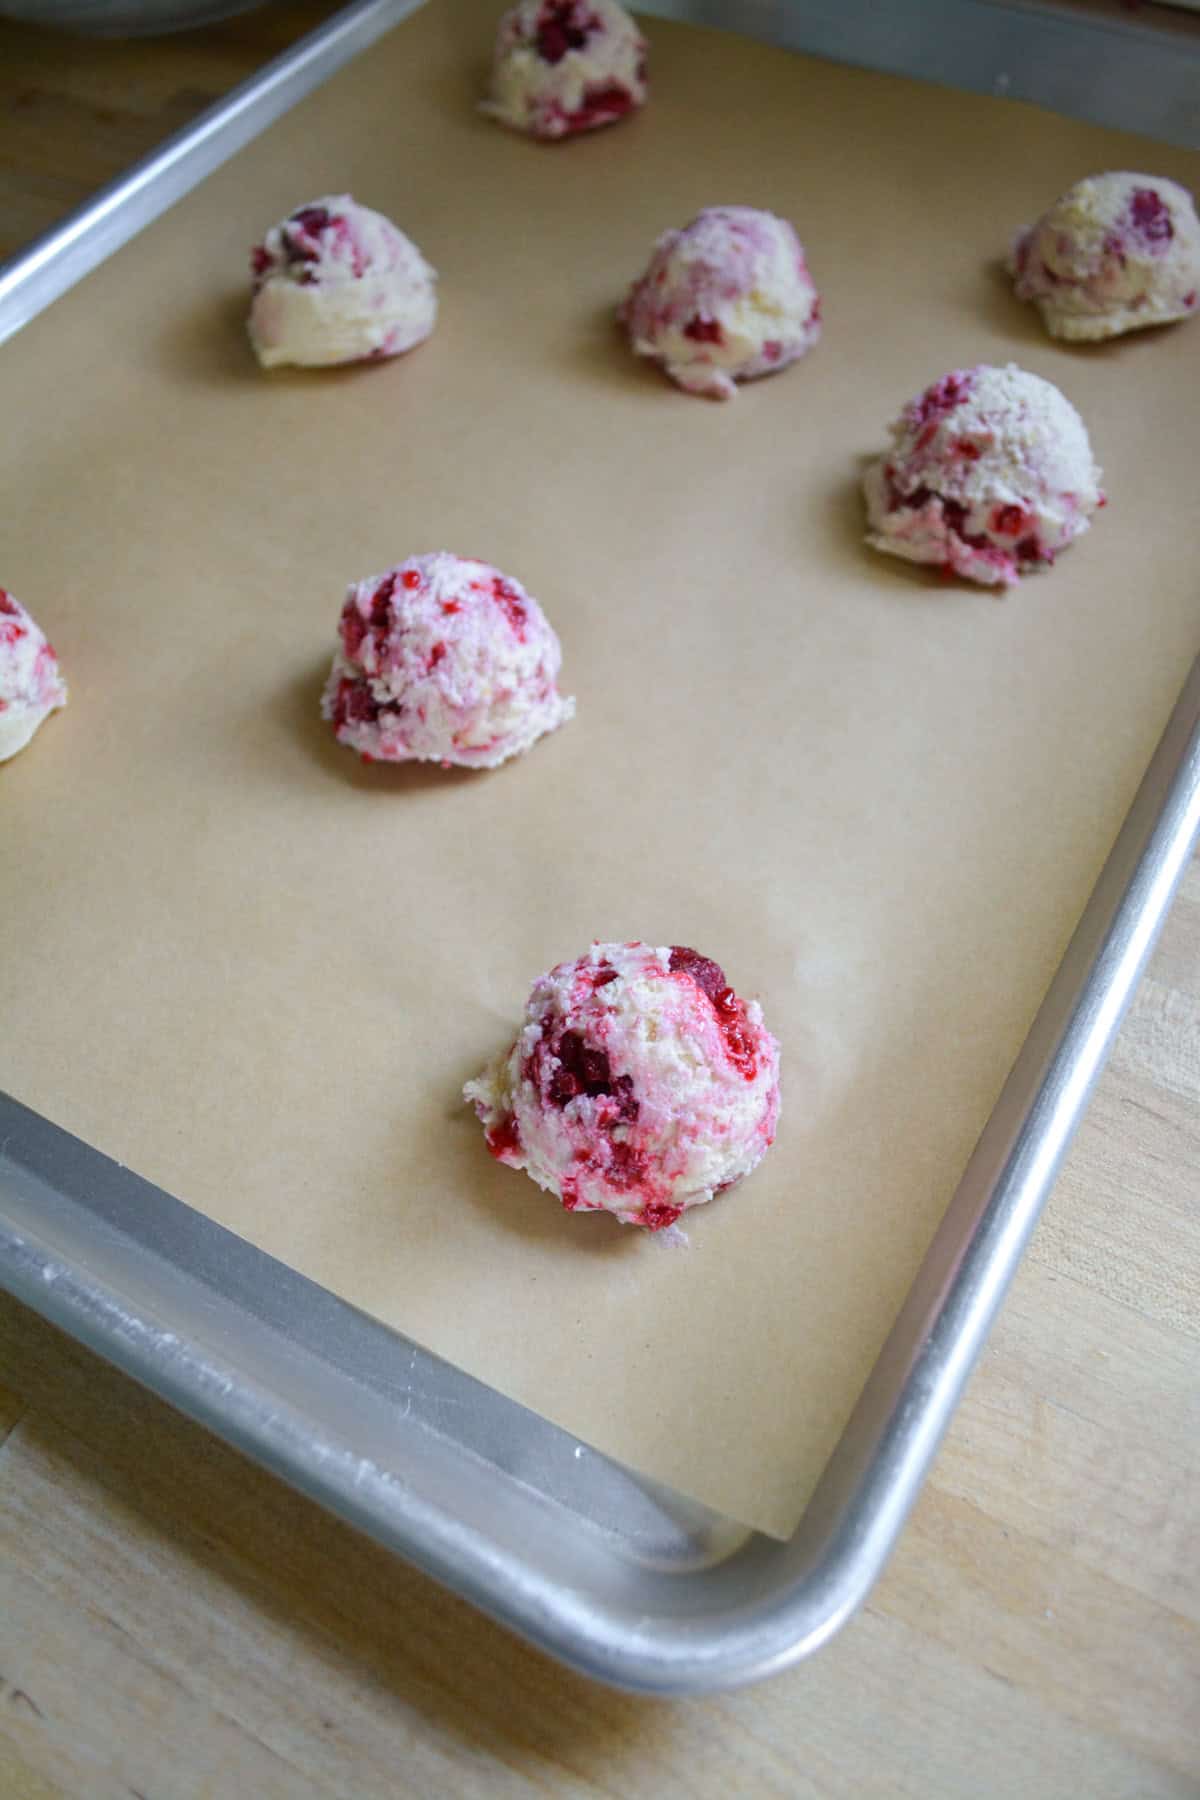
x=75, y=112
x=174, y=1623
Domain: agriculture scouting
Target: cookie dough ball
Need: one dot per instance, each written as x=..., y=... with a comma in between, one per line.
x=639, y=1084
x=727, y=298
x=1118, y=252
x=564, y=66
x=338, y=283
x=443, y=660
x=31, y=687
x=990, y=475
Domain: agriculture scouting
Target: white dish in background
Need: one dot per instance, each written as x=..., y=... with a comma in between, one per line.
x=124, y=18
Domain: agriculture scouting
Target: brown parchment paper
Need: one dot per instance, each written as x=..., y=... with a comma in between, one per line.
x=258, y=972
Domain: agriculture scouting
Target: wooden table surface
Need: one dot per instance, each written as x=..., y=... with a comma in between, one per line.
x=173, y=1623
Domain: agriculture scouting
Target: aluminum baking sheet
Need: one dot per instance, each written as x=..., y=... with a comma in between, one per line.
x=670, y=159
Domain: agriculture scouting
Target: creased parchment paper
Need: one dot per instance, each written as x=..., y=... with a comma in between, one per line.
x=259, y=972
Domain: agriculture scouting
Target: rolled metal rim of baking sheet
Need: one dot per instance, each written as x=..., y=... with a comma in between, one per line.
x=1138, y=73
x=625, y=1580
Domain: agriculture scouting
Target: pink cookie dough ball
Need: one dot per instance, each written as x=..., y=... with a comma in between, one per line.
x=639, y=1084
x=1116, y=253
x=337, y=283
x=565, y=66
x=31, y=687
x=990, y=475
x=725, y=299
x=443, y=659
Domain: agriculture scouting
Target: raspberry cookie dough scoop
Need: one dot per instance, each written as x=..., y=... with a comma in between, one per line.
x=639, y=1084
x=1116, y=253
x=990, y=475
x=337, y=283
x=725, y=299
x=443, y=659
x=31, y=687
x=565, y=66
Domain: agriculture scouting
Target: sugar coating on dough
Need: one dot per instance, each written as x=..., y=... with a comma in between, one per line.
x=443, y=659
x=990, y=475
x=725, y=299
x=31, y=686
x=1115, y=253
x=639, y=1084
x=564, y=66
x=337, y=283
